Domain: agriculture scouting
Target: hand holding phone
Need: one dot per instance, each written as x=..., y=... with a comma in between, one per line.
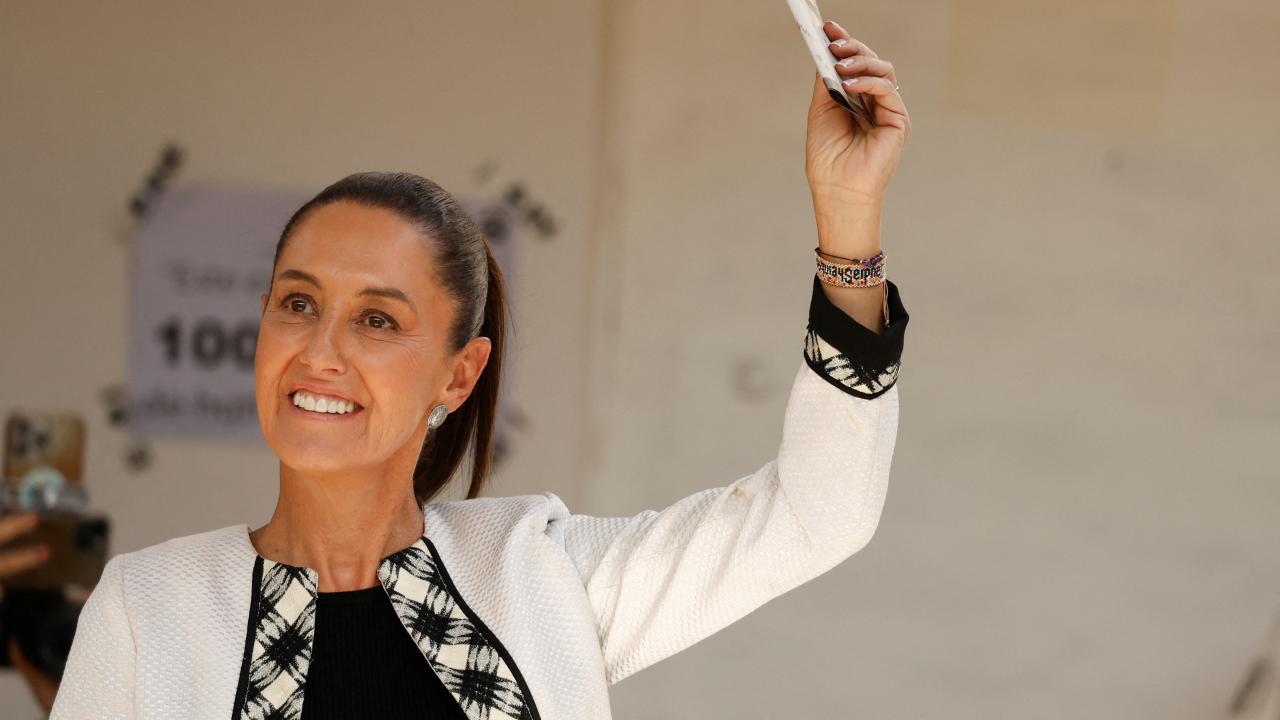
x=52, y=552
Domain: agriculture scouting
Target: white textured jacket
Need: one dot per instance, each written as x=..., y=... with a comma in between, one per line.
x=524, y=609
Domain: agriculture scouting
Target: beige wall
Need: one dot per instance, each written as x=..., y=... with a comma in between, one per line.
x=1081, y=521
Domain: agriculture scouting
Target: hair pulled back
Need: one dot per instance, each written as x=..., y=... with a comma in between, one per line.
x=471, y=277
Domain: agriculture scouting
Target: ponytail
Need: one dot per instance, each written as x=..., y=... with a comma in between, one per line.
x=474, y=421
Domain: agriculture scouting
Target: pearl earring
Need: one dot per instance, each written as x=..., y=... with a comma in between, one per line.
x=436, y=418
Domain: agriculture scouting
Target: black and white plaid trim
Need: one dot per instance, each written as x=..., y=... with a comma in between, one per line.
x=475, y=668
x=865, y=382
x=473, y=665
x=850, y=356
x=282, y=622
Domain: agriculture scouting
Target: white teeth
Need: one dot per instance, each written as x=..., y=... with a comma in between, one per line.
x=322, y=404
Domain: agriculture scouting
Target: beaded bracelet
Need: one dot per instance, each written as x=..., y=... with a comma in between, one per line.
x=867, y=272
x=857, y=273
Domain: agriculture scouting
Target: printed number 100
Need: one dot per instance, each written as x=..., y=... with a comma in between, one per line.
x=209, y=343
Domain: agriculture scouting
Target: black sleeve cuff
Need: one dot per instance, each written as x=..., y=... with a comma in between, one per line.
x=849, y=355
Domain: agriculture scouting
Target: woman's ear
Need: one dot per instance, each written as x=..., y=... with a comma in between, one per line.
x=471, y=362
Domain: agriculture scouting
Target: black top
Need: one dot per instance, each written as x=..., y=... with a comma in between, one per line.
x=364, y=664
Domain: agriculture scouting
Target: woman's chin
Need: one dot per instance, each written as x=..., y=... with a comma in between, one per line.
x=314, y=454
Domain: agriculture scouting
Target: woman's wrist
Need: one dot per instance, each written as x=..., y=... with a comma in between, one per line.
x=852, y=230
x=848, y=231
x=866, y=305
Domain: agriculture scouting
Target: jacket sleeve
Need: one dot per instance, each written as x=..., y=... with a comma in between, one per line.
x=98, y=681
x=660, y=581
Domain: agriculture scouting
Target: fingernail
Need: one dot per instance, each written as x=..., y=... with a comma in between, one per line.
x=851, y=81
x=840, y=43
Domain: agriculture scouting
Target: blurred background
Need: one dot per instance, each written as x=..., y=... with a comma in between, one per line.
x=1082, y=516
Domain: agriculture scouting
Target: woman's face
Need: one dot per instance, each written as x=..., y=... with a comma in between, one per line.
x=355, y=314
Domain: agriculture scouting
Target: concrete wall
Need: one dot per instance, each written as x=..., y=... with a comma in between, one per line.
x=1081, y=520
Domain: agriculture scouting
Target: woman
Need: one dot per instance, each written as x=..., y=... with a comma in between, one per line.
x=378, y=363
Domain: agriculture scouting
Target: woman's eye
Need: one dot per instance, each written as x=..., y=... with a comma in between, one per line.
x=380, y=322
x=296, y=303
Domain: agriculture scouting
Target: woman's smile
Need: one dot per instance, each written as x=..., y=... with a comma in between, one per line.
x=322, y=407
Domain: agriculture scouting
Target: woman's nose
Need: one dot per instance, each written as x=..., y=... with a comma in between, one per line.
x=323, y=351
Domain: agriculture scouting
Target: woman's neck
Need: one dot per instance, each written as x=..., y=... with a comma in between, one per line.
x=340, y=525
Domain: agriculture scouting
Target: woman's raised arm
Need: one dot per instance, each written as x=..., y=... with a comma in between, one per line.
x=849, y=163
x=660, y=581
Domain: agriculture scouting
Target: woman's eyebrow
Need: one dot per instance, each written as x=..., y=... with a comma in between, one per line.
x=292, y=274
x=386, y=292
x=391, y=293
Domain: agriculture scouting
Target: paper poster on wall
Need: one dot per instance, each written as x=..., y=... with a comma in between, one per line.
x=202, y=259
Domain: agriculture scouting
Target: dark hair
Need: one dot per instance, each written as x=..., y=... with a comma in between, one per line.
x=471, y=277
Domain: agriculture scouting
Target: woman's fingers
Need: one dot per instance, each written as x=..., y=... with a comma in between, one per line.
x=17, y=560
x=11, y=526
x=843, y=44
x=860, y=65
x=13, y=562
x=886, y=99
x=873, y=76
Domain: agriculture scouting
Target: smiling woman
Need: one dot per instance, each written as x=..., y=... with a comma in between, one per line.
x=378, y=362
x=383, y=293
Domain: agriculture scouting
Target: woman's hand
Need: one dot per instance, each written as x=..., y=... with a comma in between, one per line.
x=848, y=164
x=12, y=562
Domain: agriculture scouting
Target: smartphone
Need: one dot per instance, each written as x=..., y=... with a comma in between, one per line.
x=78, y=547
x=41, y=606
x=43, y=473
x=809, y=18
